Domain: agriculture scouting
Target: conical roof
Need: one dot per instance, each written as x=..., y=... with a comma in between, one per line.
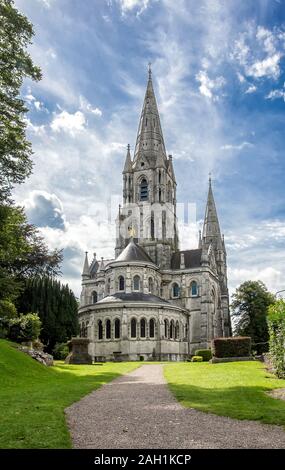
x=133, y=252
x=211, y=228
x=150, y=142
x=128, y=162
x=86, y=269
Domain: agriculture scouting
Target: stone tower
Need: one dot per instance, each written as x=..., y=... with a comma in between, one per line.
x=148, y=213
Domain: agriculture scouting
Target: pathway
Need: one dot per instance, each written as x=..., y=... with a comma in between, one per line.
x=138, y=411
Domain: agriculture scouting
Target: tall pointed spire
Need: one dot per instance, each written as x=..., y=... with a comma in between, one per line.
x=211, y=228
x=86, y=269
x=128, y=161
x=150, y=142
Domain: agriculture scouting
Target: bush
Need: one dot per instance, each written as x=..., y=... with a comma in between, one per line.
x=238, y=346
x=205, y=353
x=197, y=359
x=276, y=324
x=25, y=328
x=60, y=351
x=7, y=309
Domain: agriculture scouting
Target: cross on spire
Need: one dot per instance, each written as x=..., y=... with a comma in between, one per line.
x=149, y=70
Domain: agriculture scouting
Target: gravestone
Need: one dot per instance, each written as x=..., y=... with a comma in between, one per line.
x=78, y=351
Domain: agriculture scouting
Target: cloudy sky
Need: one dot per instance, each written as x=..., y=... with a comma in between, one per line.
x=219, y=76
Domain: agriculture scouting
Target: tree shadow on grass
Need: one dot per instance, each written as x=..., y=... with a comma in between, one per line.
x=241, y=402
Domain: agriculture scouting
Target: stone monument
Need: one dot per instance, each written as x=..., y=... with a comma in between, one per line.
x=78, y=351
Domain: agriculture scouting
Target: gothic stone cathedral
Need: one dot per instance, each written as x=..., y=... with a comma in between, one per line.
x=153, y=301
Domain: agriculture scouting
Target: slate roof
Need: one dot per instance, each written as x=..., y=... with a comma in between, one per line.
x=133, y=297
x=133, y=252
x=192, y=259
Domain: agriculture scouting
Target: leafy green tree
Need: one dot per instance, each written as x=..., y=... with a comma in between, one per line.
x=56, y=306
x=7, y=309
x=25, y=328
x=16, y=33
x=23, y=252
x=249, y=311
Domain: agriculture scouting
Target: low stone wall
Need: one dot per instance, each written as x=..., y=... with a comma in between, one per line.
x=216, y=360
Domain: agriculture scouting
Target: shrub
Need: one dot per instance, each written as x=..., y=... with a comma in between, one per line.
x=7, y=309
x=60, y=351
x=25, y=328
x=197, y=359
x=205, y=353
x=276, y=324
x=238, y=346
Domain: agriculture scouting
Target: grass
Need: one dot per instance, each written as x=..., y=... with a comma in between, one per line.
x=236, y=389
x=33, y=397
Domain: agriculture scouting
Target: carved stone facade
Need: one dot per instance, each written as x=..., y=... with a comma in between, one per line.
x=154, y=301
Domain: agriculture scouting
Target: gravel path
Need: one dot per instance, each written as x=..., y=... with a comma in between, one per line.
x=138, y=411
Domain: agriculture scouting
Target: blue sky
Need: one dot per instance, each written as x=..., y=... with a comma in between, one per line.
x=218, y=70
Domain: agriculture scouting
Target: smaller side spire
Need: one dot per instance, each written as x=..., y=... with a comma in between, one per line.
x=171, y=169
x=200, y=240
x=128, y=161
x=211, y=228
x=86, y=268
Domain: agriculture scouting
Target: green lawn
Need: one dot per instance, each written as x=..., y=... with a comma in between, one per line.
x=235, y=389
x=33, y=397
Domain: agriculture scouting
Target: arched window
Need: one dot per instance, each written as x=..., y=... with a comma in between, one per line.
x=121, y=283
x=100, y=329
x=165, y=328
x=86, y=329
x=151, y=328
x=194, y=289
x=177, y=330
x=152, y=226
x=171, y=329
x=142, y=328
x=133, y=328
x=143, y=190
x=108, y=286
x=150, y=285
x=108, y=329
x=94, y=297
x=136, y=283
x=175, y=290
x=117, y=328
x=82, y=333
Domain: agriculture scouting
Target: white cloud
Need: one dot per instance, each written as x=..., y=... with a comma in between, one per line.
x=47, y=3
x=45, y=209
x=68, y=122
x=240, y=77
x=35, y=129
x=251, y=89
x=208, y=86
x=129, y=5
x=86, y=106
x=236, y=147
x=275, y=94
x=256, y=251
x=259, y=52
x=269, y=67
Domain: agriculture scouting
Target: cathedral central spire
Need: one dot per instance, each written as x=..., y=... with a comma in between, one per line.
x=150, y=142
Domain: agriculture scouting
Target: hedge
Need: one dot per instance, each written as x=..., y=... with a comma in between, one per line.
x=197, y=359
x=238, y=346
x=276, y=327
x=205, y=353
